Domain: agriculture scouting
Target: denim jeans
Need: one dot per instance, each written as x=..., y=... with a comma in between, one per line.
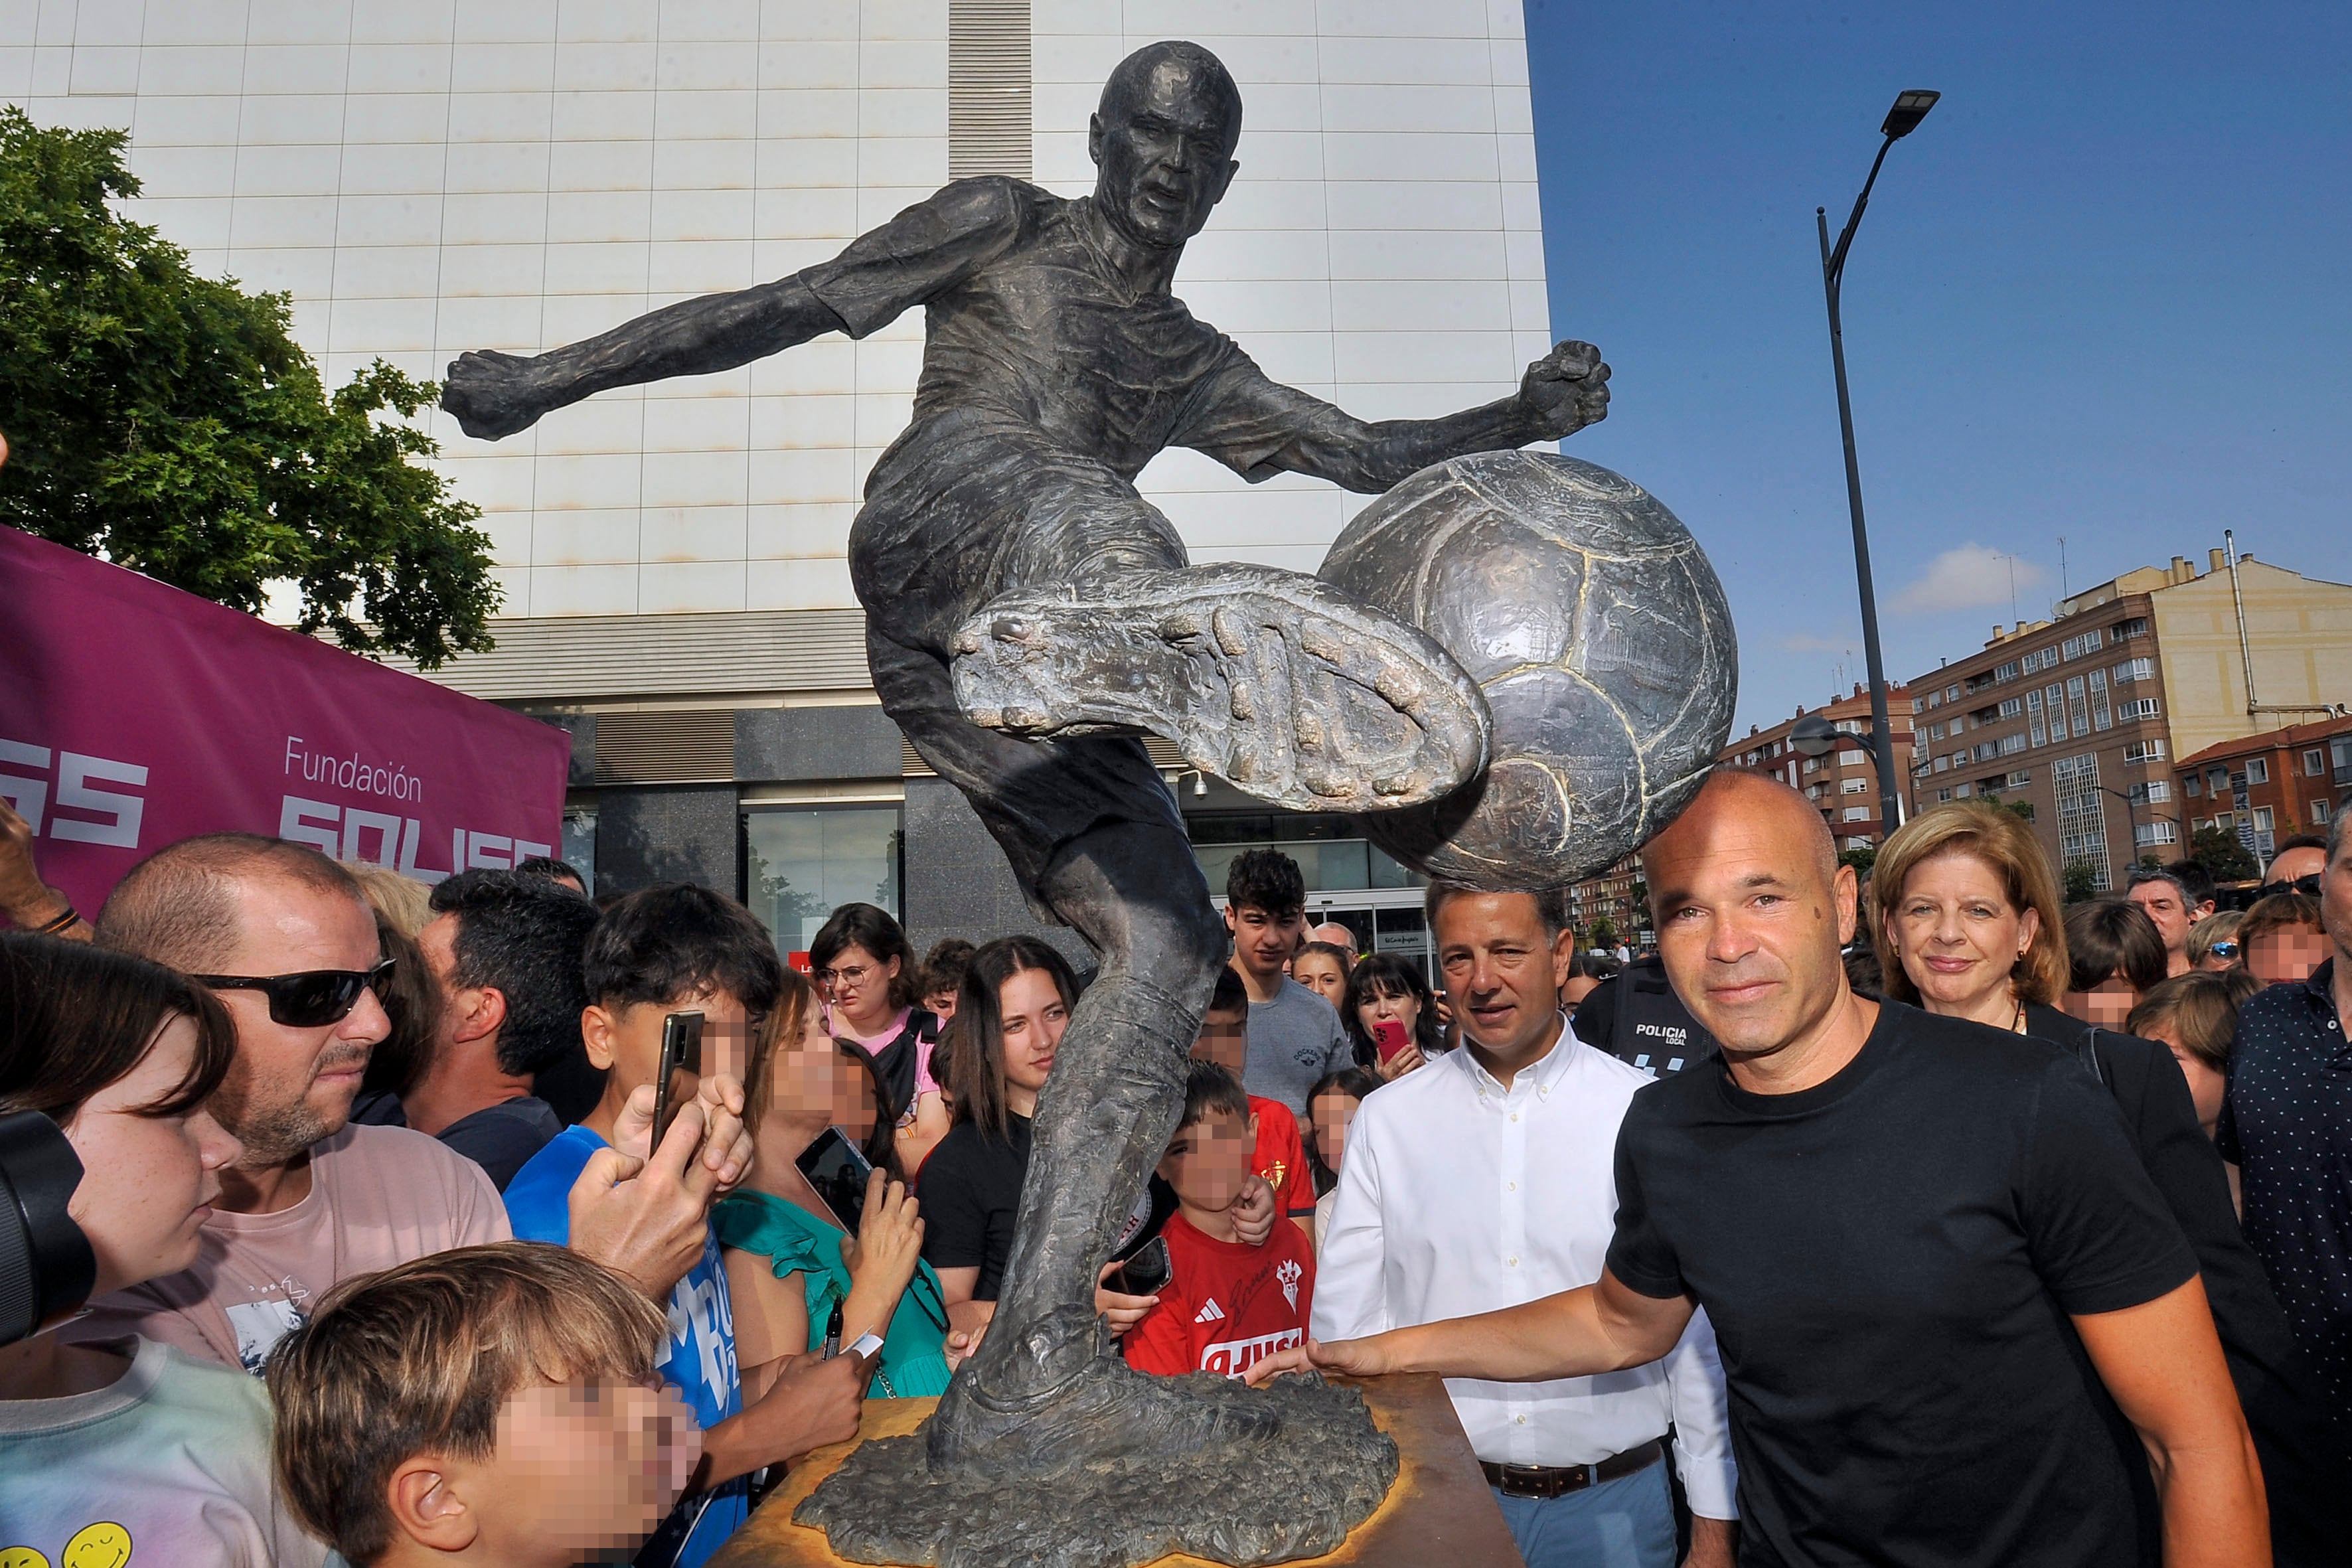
x=1625, y=1524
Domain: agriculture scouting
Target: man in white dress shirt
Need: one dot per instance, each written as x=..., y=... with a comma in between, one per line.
x=1488, y=1180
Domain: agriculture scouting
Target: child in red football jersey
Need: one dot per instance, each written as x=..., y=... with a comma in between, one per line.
x=1279, y=1156
x=1227, y=1305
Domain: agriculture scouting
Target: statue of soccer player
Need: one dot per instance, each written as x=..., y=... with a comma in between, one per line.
x=1029, y=614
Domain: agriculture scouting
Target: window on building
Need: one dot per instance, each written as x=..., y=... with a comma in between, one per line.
x=2134, y=627
x=2258, y=770
x=2262, y=819
x=1943, y=763
x=1942, y=796
x=2020, y=780
x=1951, y=694
x=1935, y=732
x=2156, y=789
x=2133, y=669
x=2011, y=745
x=2314, y=762
x=2006, y=671
x=1962, y=791
x=1853, y=759
x=2147, y=750
x=800, y=863
x=1935, y=699
x=2320, y=811
x=2138, y=707
x=1852, y=786
x=2218, y=781
x=2192, y=786
x=1857, y=813
x=2148, y=833
x=2082, y=817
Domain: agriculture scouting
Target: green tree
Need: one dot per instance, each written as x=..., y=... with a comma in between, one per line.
x=1862, y=858
x=2022, y=809
x=1603, y=934
x=171, y=423
x=2217, y=850
x=2079, y=880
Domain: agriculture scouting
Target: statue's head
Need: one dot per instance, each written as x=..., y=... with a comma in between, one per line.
x=1162, y=141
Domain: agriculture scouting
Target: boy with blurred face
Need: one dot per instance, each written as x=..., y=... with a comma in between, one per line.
x=1886, y=1213
x=1277, y=1153
x=1484, y=1179
x=677, y=948
x=1227, y=1304
x=492, y=1405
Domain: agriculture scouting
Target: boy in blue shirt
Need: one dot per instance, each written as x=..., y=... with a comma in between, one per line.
x=668, y=948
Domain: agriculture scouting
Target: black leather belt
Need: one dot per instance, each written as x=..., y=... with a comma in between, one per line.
x=1559, y=1480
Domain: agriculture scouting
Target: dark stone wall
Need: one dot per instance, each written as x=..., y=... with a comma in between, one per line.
x=680, y=832
x=791, y=744
x=958, y=882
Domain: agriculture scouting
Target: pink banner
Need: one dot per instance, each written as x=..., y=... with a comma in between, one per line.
x=133, y=715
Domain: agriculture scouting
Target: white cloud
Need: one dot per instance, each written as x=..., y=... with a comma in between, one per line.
x=1969, y=578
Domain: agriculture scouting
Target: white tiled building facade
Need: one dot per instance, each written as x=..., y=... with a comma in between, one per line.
x=427, y=176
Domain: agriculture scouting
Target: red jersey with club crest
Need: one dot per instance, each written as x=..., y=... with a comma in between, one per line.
x=1228, y=1305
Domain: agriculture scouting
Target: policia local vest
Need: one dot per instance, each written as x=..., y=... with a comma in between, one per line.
x=1636, y=1017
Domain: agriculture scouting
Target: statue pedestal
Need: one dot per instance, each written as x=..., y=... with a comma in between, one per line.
x=1440, y=1511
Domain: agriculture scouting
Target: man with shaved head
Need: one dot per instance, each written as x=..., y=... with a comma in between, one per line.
x=285, y=938
x=1923, y=1244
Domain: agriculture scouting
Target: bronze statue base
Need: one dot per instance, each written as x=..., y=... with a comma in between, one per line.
x=1438, y=1510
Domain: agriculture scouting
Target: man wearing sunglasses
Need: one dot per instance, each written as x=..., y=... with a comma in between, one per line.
x=2296, y=868
x=284, y=937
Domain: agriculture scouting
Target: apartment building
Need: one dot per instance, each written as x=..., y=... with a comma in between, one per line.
x=1843, y=783
x=1610, y=896
x=2270, y=787
x=2082, y=716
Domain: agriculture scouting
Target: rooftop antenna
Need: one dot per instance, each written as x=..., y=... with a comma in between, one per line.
x=2064, y=592
x=2012, y=589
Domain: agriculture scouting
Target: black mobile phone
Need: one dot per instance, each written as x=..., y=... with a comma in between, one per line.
x=1145, y=1270
x=681, y=1048
x=837, y=1169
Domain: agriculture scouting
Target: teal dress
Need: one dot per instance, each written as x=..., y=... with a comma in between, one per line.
x=913, y=1364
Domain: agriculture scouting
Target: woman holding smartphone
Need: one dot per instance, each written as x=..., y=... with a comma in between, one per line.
x=1389, y=1016
x=792, y=1263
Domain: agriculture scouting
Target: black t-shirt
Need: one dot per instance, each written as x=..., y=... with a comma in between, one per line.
x=499, y=1138
x=1889, y=1259
x=970, y=1191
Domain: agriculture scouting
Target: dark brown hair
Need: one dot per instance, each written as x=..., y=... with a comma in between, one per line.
x=871, y=927
x=976, y=1033
x=419, y=1359
x=2278, y=912
x=781, y=1035
x=2112, y=938
x=2200, y=1010
x=412, y=1000
x=75, y=1018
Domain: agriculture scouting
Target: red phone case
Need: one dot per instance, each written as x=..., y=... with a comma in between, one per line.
x=1389, y=1036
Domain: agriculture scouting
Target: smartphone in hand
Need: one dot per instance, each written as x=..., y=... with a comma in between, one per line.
x=1390, y=1037
x=681, y=1048
x=837, y=1169
x=1145, y=1272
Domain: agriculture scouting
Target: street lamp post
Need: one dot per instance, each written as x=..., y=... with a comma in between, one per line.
x=1910, y=108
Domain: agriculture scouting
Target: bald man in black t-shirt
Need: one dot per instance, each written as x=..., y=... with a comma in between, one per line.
x=1924, y=1244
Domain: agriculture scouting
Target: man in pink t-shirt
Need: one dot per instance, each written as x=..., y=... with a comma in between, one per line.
x=286, y=940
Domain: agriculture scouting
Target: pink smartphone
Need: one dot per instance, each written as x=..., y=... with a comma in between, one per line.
x=1388, y=1038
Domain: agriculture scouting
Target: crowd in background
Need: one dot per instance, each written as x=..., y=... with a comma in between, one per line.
x=390, y=1260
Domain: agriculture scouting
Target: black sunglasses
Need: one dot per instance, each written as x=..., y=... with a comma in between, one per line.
x=2309, y=886
x=310, y=1000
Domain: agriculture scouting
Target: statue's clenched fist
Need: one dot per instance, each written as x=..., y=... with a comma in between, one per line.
x=493, y=394
x=1567, y=389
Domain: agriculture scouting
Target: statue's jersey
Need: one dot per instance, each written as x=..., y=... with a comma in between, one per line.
x=1029, y=321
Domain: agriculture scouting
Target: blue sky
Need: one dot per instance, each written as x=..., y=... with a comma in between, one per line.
x=2105, y=293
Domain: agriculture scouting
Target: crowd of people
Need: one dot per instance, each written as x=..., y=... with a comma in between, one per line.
x=1926, y=1220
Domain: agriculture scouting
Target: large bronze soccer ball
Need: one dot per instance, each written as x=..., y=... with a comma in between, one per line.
x=1592, y=622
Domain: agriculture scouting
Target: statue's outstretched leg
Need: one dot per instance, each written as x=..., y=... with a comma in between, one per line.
x=1275, y=681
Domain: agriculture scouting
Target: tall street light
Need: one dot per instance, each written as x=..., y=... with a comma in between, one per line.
x=1910, y=108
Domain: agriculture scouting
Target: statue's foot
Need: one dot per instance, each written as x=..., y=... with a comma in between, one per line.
x=1101, y=1410
x=491, y=395
x=1277, y=682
